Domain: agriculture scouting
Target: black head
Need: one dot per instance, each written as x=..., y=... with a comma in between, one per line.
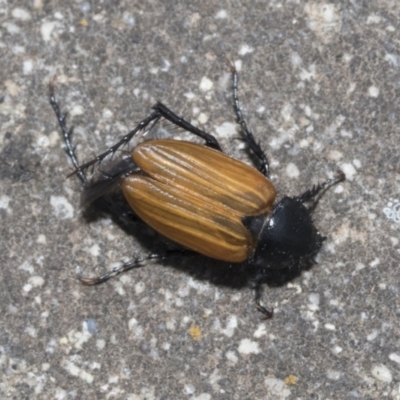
x=287, y=238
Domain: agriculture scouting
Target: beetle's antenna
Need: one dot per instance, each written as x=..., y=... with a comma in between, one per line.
x=313, y=192
x=67, y=133
x=248, y=136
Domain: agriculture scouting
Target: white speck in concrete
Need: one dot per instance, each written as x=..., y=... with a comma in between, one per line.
x=37, y=4
x=62, y=208
x=27, y=67
x=359, y=266
x=71, y=368
x=140, y=287
x=27, y=288
x=392, y=59
x=394, y=240
x=21, y=14
x=333, y=375
x=230, y=326
x=214, y=378
x=45, y=366
x=166, y=346
x=372, y=336
x=100, y=344
x=394, y=357
x=189, y=388
x=325, y=19
x=231, y=356
x=248, y=346
x=374, y=263
x=46, y=30
x=277, y=389
x=203, y=118
x=330, y=327
x=202, y=396
x=349, y=171
x=178, y=302
x=295, y=59
x=26, y=266
x=226, y=129
x=261, y=331
x=382, y=373
x=189, y=95
x=345, y=133
x=373, y=19
x=166, y=65
x=43, y=141
x=206, y=84
x=238, y=65
x=373, y=91
x=134, y=326
x=221, y=14
x=12, y=29
x=245, y=49
x=107, y=114
x=78, y=338
x=335, y=155
x=260, y=109
x=113, y=380
x=129, y=19
x=292, y=171
x=76, y=110
x=36, y=281
x=95, y=250
x=314, y=298
x=4, y=202
x=337, y=350
x=31, y=331
x=307, y=75
x=134, y=397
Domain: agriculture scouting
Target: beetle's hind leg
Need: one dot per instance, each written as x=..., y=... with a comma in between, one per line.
x=248, y=136
x=169, y=115
x=133, y=264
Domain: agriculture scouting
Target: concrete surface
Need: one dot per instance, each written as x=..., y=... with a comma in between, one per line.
x=320, y=87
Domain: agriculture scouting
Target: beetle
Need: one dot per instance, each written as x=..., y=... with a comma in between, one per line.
x=204, y=200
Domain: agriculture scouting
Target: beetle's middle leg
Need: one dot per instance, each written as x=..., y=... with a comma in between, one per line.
x=268, y=314
x=248, y=136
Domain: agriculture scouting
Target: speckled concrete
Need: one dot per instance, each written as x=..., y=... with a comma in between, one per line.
x=320, y=87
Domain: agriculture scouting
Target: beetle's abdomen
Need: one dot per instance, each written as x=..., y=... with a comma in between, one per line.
x=197, y=197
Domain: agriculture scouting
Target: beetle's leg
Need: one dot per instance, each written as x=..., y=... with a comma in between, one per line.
x=153, y=117
x=133, y=264
x=164, y=111
x=268, y=314
x=248, y=136
x=313, y=192
x=67, y=133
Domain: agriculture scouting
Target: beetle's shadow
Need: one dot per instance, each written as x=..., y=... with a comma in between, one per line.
x=200, y=267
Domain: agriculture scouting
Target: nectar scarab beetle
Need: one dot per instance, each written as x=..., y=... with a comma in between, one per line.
x=204, y=200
